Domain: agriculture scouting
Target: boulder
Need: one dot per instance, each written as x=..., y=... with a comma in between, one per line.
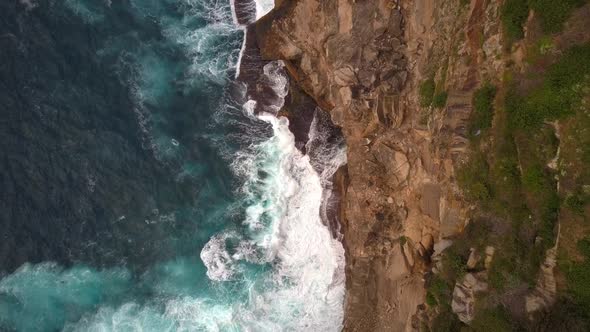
x=440, y=246
x=473, y=259
x=463, y=304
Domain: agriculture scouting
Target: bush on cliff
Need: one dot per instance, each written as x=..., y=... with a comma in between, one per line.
x=578, y=275
x=483, y=106
x=426, y=91
x=473, y=178
x=559, y=96
x=514, y=14
x=564, y=315
x=492, y=320
x=554, y=13
x=440, y=99
x=577, y=201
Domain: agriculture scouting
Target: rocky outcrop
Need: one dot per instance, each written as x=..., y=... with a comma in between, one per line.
x=544, y=294
x=463, y=303
x=362, y=62
x=350, y=57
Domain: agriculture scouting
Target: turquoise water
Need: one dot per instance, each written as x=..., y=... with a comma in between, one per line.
x=240, y=246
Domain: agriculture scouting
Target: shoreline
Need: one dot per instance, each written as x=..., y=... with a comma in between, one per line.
x=299, y=108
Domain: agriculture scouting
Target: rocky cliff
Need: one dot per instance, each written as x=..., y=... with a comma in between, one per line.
x=365, y=62
x=353, y=58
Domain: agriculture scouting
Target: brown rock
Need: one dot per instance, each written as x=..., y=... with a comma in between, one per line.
x=345, y=76
x=463, y=303
x=427, y=242
x=361, y=61
x=473, y=259
x=367, y=77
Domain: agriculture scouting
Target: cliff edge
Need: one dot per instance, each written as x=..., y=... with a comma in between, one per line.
x=424, y=92
x=353, y=59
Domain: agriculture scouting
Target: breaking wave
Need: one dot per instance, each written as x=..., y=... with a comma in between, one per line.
x=304, y=286
x=268, y=263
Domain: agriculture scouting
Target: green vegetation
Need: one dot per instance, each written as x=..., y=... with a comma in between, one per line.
x=577, y=201
x=439, y=295
x=538, y=50
x=446, y=321
x=440, y=99
x=507, y=176
x=427, y=89
x=440, y=290
x=473, y=178
x=403, y=240
x=431, y=300
x=497, y=274
x=534, y=179
x=515, y=190
x=483, y=106
x=578, y=275
x=554, y=13
x=565, y=315
x=454, y=264
x=492, y=320
x=514, y=14
x=559, y=95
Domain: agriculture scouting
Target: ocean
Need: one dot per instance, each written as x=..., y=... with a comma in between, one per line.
x=145, y=188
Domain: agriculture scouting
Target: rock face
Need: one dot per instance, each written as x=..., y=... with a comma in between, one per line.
x=545, y=292
x=362, y=62
x=464, y=295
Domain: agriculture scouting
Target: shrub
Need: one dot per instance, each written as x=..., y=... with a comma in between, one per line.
x=584, y=247
x=440, y=100
x=492, y=320
x=507, y=174
x=554, y=13
x=454, y=265
x=473, y=178
x=534, y=180
x=571, y=69
x=427, y=92
x=576, y=202
x=559, y=95
x=579, y=282
x=446, y=321
x=496, y=276
x=439, y=289
x=431, y=300
x=514, y=14
x=520, y=114
x=578, y=275
x=483, y=106
x=564, y=315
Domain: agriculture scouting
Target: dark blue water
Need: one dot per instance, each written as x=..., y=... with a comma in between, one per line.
x=137, y=194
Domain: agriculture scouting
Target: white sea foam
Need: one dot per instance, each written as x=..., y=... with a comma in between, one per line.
x=305, y=290
x=215, y=256
x=242, y=49
x=263, y=7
